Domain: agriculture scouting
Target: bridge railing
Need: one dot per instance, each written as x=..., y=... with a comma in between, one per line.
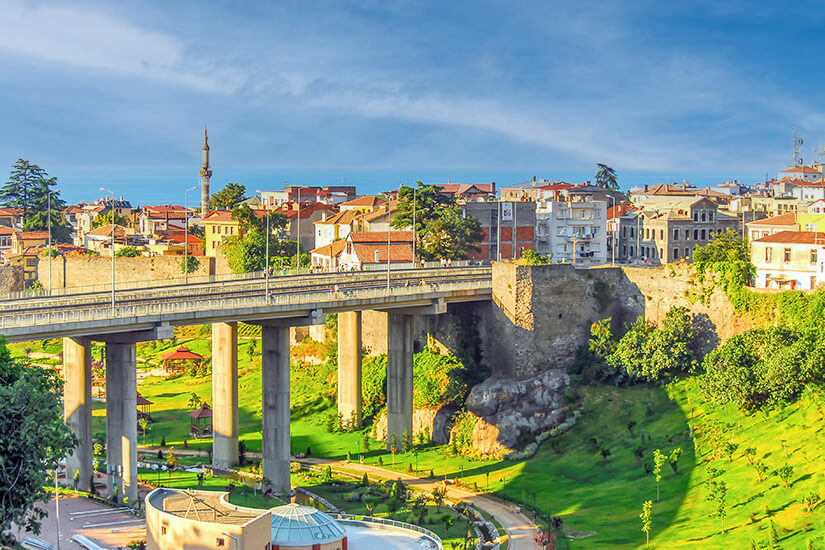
x=189, y=305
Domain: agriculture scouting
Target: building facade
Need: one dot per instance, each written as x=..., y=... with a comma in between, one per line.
x=508, y=227
x=792, y=260
x=572, y=231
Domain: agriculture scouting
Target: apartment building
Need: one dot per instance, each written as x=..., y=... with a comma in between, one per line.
x=789, y=260
x=509, y=228
x=573, y=231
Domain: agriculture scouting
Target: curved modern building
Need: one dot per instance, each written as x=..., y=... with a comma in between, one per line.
x=205, y=520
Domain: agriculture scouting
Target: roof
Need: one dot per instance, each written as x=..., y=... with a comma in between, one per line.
x=332, y=250
x=32, y=235
x=399, y=252
x=341, y=218
x=557, y=186
x=181, y=237
x=380, y=236
x=106, y=231
x=794, y=237
x=181, y=354
x=6, y=230
x=782, y=219
x=172, y=210
x=225, y=216
x=463, y=188
x=142, y=400
x=10, y=212
x=201, y=412
x=305, y=211
x=801, y=170
x=619, y=210
x=368, y=201
x=296, y=525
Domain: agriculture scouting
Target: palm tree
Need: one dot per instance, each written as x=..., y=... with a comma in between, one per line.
x=606, y=177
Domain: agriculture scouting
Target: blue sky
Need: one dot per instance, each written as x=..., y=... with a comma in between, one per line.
x=381, y=92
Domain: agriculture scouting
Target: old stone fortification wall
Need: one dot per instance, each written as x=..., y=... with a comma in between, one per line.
x=11, y=278
x=542, y=314
x=75, y=270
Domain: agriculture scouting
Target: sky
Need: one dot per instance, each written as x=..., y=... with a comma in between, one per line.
x=380, y=93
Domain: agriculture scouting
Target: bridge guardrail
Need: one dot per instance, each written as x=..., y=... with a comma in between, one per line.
x=392, y=523
x=166, y=307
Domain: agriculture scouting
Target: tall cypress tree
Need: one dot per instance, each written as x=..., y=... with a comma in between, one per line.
x=28, y=189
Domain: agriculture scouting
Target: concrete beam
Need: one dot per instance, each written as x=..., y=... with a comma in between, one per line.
x=311, y=318
x=161, y=331
x=77, y=407
x=224, y=394
x=399, y=377
x=349, y=366
x=275, y=443
x=121, y=420
x=436, y=307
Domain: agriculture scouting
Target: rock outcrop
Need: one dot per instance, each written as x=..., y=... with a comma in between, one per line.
x=509, y=408
x=437, y=421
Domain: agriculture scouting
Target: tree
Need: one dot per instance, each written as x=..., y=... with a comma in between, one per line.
x=451, y=235
x=531, y=257
x=439, y=493
x=369, y=503
x=605, y=453
x=246, y=252
x=33, y=439
x=673, y=459
x=448, y=522
x=144, y=425
x=773, y=536
x=750, y=453
x=110, y=217
x=760, y=468
x=811, y=500
x=171, y=459
x=365, y=481
x=128, y=252
x=728, y=256
x=406, y=442
x=606, y=177
x=647, y=520
x=365, y=442
x=658, y=460
x=252, y=349
x=189, y=263
x=28, y=190
x=729, y=450
x=194, y=402
x=428, y=205
x=229, y=197
x=785, y=473
x=721, y=494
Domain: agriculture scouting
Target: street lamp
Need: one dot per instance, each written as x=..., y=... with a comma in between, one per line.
x=113, y=243
x=186, y=234
x=266, y=251
x=298, y=232
x=49, y=214
x=57, y=507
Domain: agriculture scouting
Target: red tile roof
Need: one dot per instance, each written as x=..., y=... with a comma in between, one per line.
x=800, y=170
x=225, y=216
x=5, y=230
x=10, y=212
x=782, y=219
x=32, y=235
x=172, y=210
x=381, y=236
x=331, y=250
x=557, y=186
x=619, y=210
x=463, y=188
x=794, y=237
x=371, y=200
x=106, y=231
x=399, y=252
x=341, y=218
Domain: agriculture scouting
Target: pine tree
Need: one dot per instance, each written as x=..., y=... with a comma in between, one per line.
x=28, y=189
x=647, y=520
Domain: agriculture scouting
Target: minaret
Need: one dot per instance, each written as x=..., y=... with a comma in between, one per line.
x=206, y=173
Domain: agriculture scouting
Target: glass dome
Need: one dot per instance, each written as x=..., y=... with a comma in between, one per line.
x=296, y=525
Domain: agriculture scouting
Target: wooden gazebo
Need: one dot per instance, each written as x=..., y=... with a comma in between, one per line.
x=201, y=421
x=175, y=361
x=143, y=406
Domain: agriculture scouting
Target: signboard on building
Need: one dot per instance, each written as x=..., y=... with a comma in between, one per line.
x=507, y=211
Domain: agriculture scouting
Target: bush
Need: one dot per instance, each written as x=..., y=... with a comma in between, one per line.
x=127, y=252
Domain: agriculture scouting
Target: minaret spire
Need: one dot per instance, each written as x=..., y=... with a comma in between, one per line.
x=206, y=174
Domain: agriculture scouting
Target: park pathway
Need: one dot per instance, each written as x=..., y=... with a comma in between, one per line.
x=521, y=530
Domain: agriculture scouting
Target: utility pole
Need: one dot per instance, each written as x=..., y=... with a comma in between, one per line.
x=186, y=234
x=49, y=214
x=113, y=243
x=389, y=238
x=297, y=236
x=266, y=252
x=57, y=506
x=498, y=230
x=414, y=232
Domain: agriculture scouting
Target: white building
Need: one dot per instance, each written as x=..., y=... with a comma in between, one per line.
x=808, y=173
x=572, y=231
x=789, y=259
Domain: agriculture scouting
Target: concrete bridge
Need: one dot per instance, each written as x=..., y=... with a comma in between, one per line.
x=151, y=313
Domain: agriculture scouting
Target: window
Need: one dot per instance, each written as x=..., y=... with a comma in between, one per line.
x=631, y=234
x=675, y=253
x=703, y=234
x=163, y=530
x=813, y=256
x=220, y=542
x=687, y=253
x=676, y=235
x=768, y=254
x=704, y=216
x=811, y=227
x=597, y=214
x=786, y=255
x=631, y=251
x=695, y=234
x=31, y=262
x=696, y=216
x=661, y=253
x=624, y=250
x=624, y=231
x=647, y=233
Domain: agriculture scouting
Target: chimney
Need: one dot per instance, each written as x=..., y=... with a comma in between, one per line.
x=324, y=216
x=534, y=178
x=645, y=188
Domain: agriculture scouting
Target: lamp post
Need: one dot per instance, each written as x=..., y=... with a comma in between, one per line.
x=113, y=243
x=186, y=234
x=414, y=231
x=388, y=255
x=57, y=507
x=49, y=214
x=613, y=233
x=298, y=232
x=266, y=252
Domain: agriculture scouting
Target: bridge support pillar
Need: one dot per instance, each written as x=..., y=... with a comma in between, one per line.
x=121, y=420
x=275, y=407
x=399, y=377
x=349, y=367
x=224, y=394
x=77, y=407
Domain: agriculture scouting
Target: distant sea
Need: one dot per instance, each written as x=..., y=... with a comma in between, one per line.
x=167, y=185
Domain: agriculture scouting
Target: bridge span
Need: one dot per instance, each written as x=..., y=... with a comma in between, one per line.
x=151, y=313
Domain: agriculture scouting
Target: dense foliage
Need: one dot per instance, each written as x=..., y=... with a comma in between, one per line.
x=606, y=177
x=765, y=366
x=373, y=380
x=110, y=217
x=33, y=438
x=438, y=379
x=229, y=197
x=727, y=256
x=646, y=352
x=28, y=189
x=443, y=230
x=531, y=257
x=127, y=252
x=246, y=252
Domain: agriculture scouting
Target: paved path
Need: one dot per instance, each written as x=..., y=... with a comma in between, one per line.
x=520, y=529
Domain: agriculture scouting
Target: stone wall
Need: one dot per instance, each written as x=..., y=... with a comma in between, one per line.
x=76, y=270
x=11, y=278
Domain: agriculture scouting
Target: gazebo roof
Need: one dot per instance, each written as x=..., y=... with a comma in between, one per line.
x=203, y=412
x=142, y=400
x=181, y=354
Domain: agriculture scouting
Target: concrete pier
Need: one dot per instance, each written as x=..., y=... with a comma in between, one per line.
x=399, y=377
x=77, y=407
x=225, y=394
x=275, y=443
x=121, y=419
x=349, y=366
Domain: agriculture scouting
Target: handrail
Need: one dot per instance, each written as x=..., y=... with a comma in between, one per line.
x=392, y=523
